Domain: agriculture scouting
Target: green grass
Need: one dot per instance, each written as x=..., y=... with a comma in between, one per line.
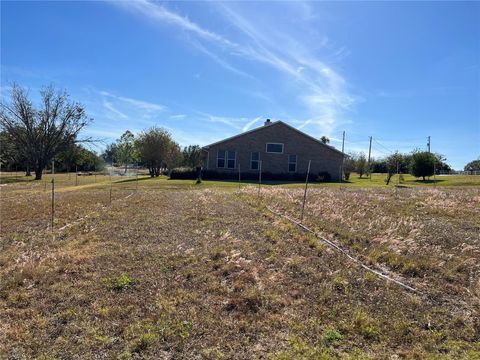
x=64, y=180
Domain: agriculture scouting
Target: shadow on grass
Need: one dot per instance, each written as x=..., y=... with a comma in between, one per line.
x=427, y=181
x=13, y=179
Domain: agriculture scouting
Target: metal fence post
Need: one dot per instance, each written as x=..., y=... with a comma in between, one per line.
x=53, y=193
x=259, y=176
x=239, y=179
x=305, y=192
x=110, y=176
x=136, y=179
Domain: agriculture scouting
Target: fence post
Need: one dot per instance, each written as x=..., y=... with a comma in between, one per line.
x=53, y=193
x=76, y=175
x=305, y=192
x=259, y=176
x=239, y=179
x=110, y=176
x=136, y=178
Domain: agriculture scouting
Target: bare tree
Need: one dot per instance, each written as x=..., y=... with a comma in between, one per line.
x=44, y=132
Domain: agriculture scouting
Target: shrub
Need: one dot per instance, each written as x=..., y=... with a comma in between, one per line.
x=191, y=174
x=324, y=176
x=422, y=164
x=183, y=173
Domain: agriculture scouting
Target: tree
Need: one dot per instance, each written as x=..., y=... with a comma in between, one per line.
x=393, y=163
x=361, y=166
x=441, y=165
x=125, y=149
x=422, y=164
x=174, y=156
x=192, y=156
x=348, y=165
x=108, y=154
x=154, y=147
x=325, y=140
x=77, y=157
x=473, y=165
x=41, y=133
x=10, y=155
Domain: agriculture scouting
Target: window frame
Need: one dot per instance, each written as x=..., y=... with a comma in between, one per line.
x=292, y=162
x=219, y=151
x=227, y=158
x=252, y=160
x=274, y=152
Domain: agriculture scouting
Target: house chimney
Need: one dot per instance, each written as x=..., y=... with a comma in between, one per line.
x=267, y=122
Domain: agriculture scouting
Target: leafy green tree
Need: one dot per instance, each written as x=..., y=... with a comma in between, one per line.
x=422, y=164
x=192, y=156
x=108, y=154
x=156, y=149
x=441, y=164
x=361, y=166
x=125, y=149
x=473, y=165
x=77, y=157
x=325, y=140
x=348, y=165
x=393, y=164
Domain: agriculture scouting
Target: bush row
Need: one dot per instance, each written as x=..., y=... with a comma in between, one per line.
x=191, y=174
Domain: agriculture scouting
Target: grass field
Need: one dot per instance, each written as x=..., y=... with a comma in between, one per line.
x=170, y=270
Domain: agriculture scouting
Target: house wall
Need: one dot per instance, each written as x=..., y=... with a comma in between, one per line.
x=323, y=158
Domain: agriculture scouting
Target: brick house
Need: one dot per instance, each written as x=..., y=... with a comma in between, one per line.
x=276, y=148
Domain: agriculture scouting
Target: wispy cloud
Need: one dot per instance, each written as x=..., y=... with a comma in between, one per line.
x=251, y=123
x=140, y=104
x=109, y=106
x=178, y=116
x=321, y=90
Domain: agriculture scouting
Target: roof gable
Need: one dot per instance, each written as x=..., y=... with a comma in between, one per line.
x=275, y=123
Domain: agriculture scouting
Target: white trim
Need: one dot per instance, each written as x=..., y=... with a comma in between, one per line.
x=273, y=152
x=291, y=162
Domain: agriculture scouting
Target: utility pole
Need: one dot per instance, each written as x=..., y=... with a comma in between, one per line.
x=428, y=143
x=343, y=158
x=369, y=153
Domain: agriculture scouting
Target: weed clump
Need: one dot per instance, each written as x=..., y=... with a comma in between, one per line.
x=119, y=283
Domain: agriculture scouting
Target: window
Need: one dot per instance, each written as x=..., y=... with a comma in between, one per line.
x=221, y=159
x=255, y=158
x=292, y=163
x=231, y=159
x=275, y=148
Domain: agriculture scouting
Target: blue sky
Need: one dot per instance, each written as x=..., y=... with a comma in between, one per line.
x=397, y=71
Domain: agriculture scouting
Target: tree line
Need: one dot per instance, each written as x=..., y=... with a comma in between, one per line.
x=417, y=163
x=153, y=148
x=32, y=136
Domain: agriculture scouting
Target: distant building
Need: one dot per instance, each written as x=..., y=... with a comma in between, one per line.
x=277, y=148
